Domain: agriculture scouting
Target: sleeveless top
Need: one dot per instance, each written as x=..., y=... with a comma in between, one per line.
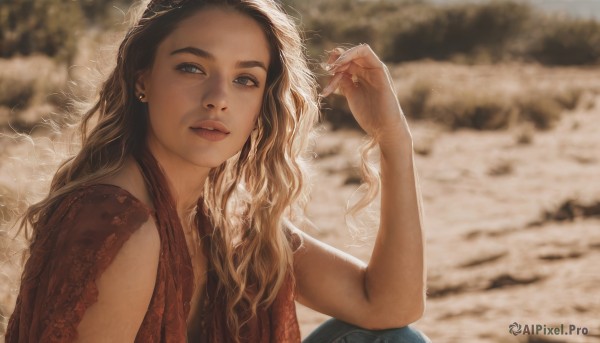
x=79, y=239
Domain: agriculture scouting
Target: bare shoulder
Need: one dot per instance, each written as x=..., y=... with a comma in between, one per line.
x=124, y=290
x=131, y=179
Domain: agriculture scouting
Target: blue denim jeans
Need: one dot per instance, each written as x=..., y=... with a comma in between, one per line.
x=336, y=331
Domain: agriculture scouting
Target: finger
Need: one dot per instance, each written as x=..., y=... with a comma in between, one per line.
x=360, y=54
x=351, y=68
x=333, y=56
x=339, y=68
x=333, y=84
x=355, y=71
x=348, y=55
x=376, y=77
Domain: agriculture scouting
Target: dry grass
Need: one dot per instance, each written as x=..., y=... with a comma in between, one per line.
x=31, y=89
x=9, y=205
x=525, y=135
x=502, y=168
x=540, y=109
x=482, y=97
x=468, y=108
x=11, y=248
x=491, y=97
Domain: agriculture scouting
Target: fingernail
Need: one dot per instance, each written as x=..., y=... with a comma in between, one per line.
x=340, y=60
x=326, y=91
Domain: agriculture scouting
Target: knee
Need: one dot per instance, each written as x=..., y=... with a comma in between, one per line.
x=336, y=331
x=405, y=334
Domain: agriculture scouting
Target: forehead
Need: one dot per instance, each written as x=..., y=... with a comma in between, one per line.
x=225, y=33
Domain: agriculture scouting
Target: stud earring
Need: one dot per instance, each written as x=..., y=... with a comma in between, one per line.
x=141, y=97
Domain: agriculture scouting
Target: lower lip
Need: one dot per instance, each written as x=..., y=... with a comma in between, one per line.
x=210, y=135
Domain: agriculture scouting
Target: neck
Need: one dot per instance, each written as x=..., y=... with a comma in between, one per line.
x=186, y=186
x=185, y=181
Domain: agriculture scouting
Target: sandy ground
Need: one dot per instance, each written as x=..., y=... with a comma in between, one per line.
x=493, y=258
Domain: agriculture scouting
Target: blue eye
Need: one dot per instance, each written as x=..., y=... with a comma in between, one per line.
x=247, y=81
x=189, y=68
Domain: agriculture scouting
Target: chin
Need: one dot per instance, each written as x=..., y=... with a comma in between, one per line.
x=207, y=163
x=208, y=160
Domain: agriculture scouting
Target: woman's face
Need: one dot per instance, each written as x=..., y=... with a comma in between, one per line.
x=205, y=88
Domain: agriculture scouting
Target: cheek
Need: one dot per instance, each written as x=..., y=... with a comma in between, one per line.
x=251, y=108
x=165, y=84
x=160, y=116
x=169, y=103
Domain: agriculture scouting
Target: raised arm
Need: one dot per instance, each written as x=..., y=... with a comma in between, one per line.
x=390, y=290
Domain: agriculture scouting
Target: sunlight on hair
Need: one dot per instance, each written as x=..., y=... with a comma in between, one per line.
x=362, y=214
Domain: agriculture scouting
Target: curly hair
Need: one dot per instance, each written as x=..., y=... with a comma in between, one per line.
x=247, y=197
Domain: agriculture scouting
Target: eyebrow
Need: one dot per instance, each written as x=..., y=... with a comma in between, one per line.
x=205, y=54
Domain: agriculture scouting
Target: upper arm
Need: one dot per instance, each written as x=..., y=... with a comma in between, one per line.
x=330, y=281
x=124, y=290
x=333, y=282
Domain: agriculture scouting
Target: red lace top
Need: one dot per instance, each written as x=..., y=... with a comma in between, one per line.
x=79, y=240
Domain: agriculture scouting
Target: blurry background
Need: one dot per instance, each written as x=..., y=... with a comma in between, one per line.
x=502, y=99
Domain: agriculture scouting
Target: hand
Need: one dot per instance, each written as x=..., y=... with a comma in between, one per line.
x=367, y=85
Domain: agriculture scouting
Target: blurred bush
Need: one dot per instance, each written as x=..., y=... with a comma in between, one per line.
x=469, y=108
x=398, y=30
x=486, y=109
x=471, y=32
x=48, y=27
x=30, y=89
x=539, y=109
x=569, y=98
x=464, y=29
x=96, y=11
x=567, y=41
x=15, y=91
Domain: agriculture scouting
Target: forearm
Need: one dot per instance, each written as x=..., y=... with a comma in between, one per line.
x=395, y=277
x=393, y=284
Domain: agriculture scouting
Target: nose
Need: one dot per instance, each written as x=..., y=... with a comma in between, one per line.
x=215, y=94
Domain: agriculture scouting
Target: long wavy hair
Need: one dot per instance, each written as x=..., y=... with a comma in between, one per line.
x=245, y=198
x=248, y=197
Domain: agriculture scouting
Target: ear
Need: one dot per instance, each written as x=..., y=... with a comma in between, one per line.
x=140, y=83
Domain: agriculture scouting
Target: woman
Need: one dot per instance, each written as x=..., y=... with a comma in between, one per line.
x=174, y=221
